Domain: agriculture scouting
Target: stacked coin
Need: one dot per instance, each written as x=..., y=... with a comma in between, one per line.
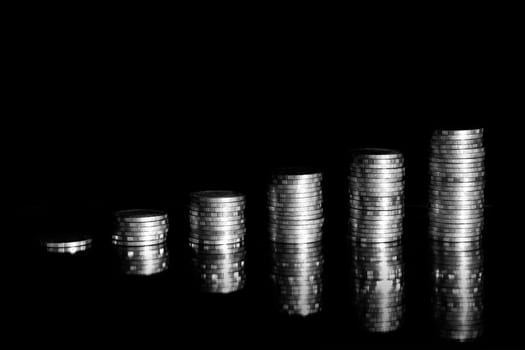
x=456, y=196
x=376, y=227
x=295, y=203
x=140, y=240
x=67, y=243
x=217, y=232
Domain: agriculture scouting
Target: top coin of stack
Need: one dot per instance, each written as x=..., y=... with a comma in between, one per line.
x=67, y=243
x=457, y=172
x=295, y=203
x=217, y=231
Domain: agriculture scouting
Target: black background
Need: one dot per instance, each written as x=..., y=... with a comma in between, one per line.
x=119, y=111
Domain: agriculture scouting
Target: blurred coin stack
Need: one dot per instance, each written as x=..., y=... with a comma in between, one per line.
x=140, y=239
x=457, y=181
x=217, y=232
x=376, y=194
x=67, y=243
x=295, y=203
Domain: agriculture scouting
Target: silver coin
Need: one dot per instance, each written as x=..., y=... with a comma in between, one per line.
x=120, y=237
x=212, y=221
x=216, y=214
x=293, y=195
x=213, y=240
x=296, y=240
x=297, y=182
x=68, y=250
x=375, y=225
x=121, y=242
x=365, y=162
x=456, y=146
x=140, y=215
x=294, y=213
x=297, y=189
x=376, y=213
x=459, y=132
x=388, y=182
x=298, y=216
x=462, y=172
x=217, y=196
x=142, y=230
x=384, y=200
x=458, y=165
x=295, y=201
x=297, y=175
x=66, y=240
x=450, y=138
x=146, y=224
x=367, y=169
x=378, y=194
x=295, y=186
x=376, y=153
x=295, y=209
x=456, y=187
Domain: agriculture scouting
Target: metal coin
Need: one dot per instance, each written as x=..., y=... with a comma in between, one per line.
x=217, y=196
x=68, y=250
x=68, y=240
x=140, y=215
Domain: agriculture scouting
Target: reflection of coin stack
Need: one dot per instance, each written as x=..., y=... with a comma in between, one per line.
x=140, y=240
x=67, y=243
x=217, y=231
x=456, y=222
x=376, y=228
x=295, y=203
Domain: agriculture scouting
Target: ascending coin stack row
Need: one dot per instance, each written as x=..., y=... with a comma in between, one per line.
x=140, y=240
x=295, y=204
x=217, y=232
x=456, y=222
x=376, y=228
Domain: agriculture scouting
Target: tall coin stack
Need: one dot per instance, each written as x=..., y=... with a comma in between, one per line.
x=456, y=196
x=295, y=203
x=376, y=228
x=140, y=240
x=217, y=232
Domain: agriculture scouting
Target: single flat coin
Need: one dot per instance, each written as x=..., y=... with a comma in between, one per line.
x=67, y=240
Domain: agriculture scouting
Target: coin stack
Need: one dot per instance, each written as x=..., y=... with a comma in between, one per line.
x=140, y=239
x=376, y=194
x=217, y=232
x=456, y=210
x=295, y=203
x=67, y=243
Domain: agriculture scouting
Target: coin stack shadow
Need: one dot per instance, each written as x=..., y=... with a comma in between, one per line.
x=217, y=233
x=67, y=243
x=456, y=201
x=376, y=195
x=140, y=239
x=295, y=204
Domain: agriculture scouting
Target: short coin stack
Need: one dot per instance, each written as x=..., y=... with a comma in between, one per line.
x=376, y=228
x=295, y=203
x=140, y=239
x=457, y=181
x=217, y=233
x=67, y=243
